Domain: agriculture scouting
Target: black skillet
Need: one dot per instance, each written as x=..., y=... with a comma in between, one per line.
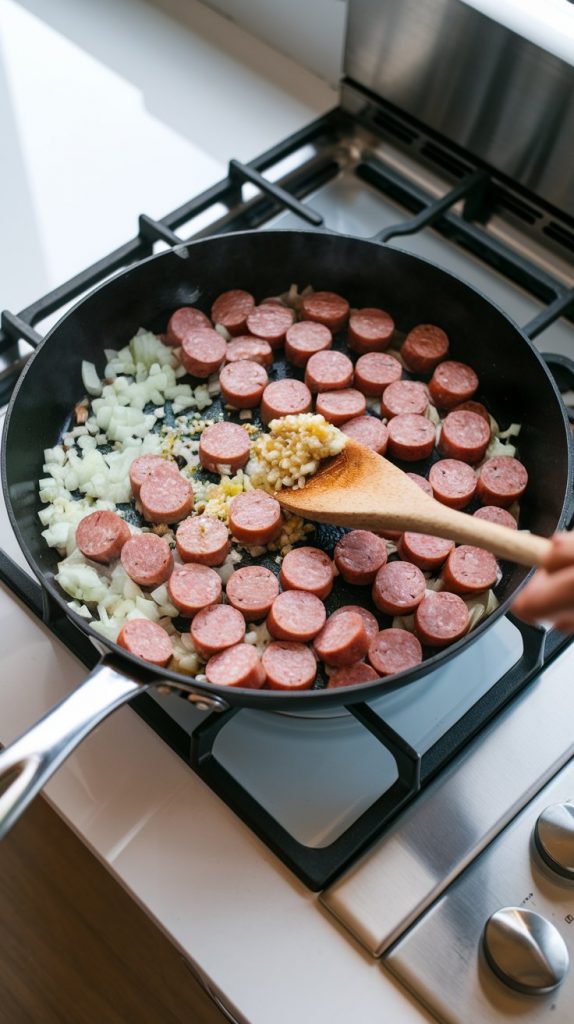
x=514, y=383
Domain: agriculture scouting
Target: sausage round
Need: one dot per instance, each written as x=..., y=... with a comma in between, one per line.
x=147, y=640
x=342, y=641
x=370, y=330
x=476, y=407
x=217, y=627
x=424, y=347
x=502, y=481
x=192, y=587
x=144, y=466
x=236, y=666
x=398, y=588
x=368, y=431
x=224, y=444
x=339, y=406
x=305, y=338
x=102, y=535
x=369, y=621
x=309, y=569
x=270, y=322
x=411, y=437
x=289, y=666
x=452, y=383
x=243, y=383
x=326, y=308
x=352, y=675
x=183, y=322
x=404, y=396
x=252, y=590
x=421, y=482
x=359, y=555
x=393, y=651
x=285, y=398
x=328, y=371
x=375, y=371
x=493, y=514
x=424, y=551
x=147, y=559
x=453, y=482
x=231, y=310
x=165, y=496
x=202, y=539
x=464, y=435
x=255, y=517
x=441, y=618
x=246, y=347
x=202, y=351
x=296, y=615
x=468, y=570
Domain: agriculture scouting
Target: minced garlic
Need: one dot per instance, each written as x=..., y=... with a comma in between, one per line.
x=292, y=450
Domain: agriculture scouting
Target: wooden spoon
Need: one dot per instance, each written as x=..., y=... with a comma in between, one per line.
x=362, y=490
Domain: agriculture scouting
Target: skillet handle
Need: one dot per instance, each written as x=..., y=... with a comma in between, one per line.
x=28, y=763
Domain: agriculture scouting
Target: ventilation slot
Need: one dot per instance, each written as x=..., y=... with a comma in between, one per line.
x=514, y=205
x=446, y=160
x=560, y=234
x=393, y=127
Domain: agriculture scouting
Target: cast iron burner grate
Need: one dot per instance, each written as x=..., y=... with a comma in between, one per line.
x=456, y=215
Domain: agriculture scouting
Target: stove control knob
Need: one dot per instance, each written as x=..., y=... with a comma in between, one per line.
x=554, y=837
x=525, y=950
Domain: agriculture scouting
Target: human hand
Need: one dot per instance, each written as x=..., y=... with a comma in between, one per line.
x=550, y=593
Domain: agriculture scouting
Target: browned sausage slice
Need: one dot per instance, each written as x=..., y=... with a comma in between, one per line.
x=183, y=322
x=375, y=371
x=468, y=570
x=285, y=398
x=147, y=640
x=255, y=517
x=368, y=431
x=305, y=338
x=246, y=347
x=296, y=615
x=147, y=559
x=224, y=445
x=473, y=406
x=202, y=539
x=192, y=587
x=236, y=666
x=307, y=568
x=339, y=406
x=143, y=466
x=502, y=481
x=465, y=435
x=215, y=628
x=393, y=651
x=441, y=618
x=404, y=396
x=493, y=514
x=252, y=590
x=165, y=497
x=398, y=588
x=452, y=383
x=370, y=330
x=326, y=308
x=369, y=621
x=453, y=482
x=270, y=322
x=428, y=553
x=424, y=347
x=202, y=352
x=352, y=675
x=343, y=640
x=289, y=666
x=328, y=371
x=231, y=310
x=421, y=482
x=359, y=555
x=411, y=437
x=102, y=535
x=243, y=383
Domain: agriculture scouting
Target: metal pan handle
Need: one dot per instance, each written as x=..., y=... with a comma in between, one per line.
x=28, y=763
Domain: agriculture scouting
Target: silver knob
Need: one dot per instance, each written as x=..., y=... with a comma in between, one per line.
x=554, y=837
x=525, y=950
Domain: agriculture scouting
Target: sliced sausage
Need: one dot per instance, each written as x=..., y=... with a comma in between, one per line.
x=202, y=352
x=231, y=310
x=236, y=666
x=328, y=371
x=404, y=396
x=217, y=627
x=343, y=640
x=370, y=330
x=369, y=621
x=368, y=431
x=453, y=482
x=326, y=308
x=296, y=615
x=252, y=590
x=421, y=482
x=493, y=514
x=309, y=569
x=202, y=539
x=243, y=383
x=165, y=497
x=255, y=517
x=147, y=640
x=502, y=481
x=424, y=348
x=452, y=383
x=224, y=444
x=192, y=587
x=285, y=398
x=375, y=371
x=411, y=437
x=468, y=570
x=428, y=553
x=143, y=466
x=464, y=435
x=246, y=347
x=102, y=535
x=352, y=675
x=270, y=322
x=183, y=322
x=398, y=588
x=289, y=666
x=339, y=406
x=359, y=555
x=441, y=618
x=305, y=338
x=393, y=651
x=476, y=407
x=147, y=559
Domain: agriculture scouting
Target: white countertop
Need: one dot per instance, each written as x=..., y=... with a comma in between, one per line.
x=115, y=110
